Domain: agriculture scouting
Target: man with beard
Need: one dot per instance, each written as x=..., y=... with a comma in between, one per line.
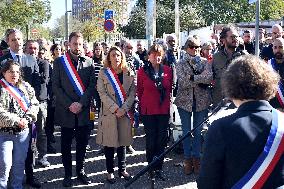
x=277, y=64
x=249, y=46
x=73, y=84
x=267, y=52
x=141, y=51
x=222, y=59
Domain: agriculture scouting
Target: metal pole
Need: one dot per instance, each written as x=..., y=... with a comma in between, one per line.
x=150, y=21
x=177, y=24
x=66, y=21
x=257, y=27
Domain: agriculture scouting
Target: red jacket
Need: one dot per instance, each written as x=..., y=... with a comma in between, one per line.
x=149, y=96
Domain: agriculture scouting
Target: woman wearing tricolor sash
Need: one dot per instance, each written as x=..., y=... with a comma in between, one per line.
x=18, y=110
x=116, y=88
x=245, y=149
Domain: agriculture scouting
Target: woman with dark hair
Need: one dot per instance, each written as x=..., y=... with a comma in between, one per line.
x=117, y=89
x=98, y=64
x=245, y=149
x=154, y=84
x=18, y=110
x=56, y=51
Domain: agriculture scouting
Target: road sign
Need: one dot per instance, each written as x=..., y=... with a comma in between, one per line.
x=109, y=25
x=109, y=14
x=34, y=31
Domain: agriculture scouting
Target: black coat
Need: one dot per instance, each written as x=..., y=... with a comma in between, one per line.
x=233, y=144
x=66, y=94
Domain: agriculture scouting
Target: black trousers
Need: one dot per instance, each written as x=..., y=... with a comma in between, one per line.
x=49, y=127
x=109, y=154
x=81, y=135
x=156, y=130
x=29, y=168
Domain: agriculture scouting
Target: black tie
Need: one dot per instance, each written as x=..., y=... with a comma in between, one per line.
x=18, y=58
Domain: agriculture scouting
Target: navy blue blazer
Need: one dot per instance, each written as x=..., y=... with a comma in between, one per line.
x=233, y=144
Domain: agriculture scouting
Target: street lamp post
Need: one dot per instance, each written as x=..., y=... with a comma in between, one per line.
x=66, y=21
x=150, y=21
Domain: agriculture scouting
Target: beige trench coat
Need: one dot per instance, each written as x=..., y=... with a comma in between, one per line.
x=113, y=131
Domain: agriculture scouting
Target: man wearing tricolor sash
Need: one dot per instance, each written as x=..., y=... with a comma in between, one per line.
x=73, y=84
x=245, y=149
x=277, y=63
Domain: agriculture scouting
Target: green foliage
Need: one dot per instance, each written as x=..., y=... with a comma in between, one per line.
x=189, y=18
x=19, y=13
x=234, y=11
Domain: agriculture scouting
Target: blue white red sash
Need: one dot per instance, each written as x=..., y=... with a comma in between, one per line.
x=265, y=163
x=73, y=74
x=280, y=89
x=16, y=94
x=118, y=89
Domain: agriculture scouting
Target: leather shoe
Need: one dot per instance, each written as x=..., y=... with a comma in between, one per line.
x=110, y=178
x=124, y=175
x=67, y=182
x=33, y=182
x=83, y=178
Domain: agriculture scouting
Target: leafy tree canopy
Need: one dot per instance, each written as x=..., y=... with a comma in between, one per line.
x=15, y=13
x=198, y=13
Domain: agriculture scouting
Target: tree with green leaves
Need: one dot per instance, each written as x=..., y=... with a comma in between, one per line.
x=19, y=13
x=190, y=18
x=234, y=11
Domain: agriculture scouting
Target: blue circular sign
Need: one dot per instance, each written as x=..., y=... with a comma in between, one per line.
x=109, y=25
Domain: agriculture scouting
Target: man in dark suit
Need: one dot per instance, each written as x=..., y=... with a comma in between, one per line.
x=32, y=48
x=236, y=145
x=73, y=99
x=14, y=39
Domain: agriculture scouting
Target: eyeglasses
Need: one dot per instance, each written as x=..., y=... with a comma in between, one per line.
x=41, y=53
x=193, y=47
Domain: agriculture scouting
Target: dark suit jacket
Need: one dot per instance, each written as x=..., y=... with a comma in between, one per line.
x=233, y=144
x=66, y=95
x=44, y=74
x=30, y=70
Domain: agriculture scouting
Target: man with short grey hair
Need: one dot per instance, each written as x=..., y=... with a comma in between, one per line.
x=267, y=52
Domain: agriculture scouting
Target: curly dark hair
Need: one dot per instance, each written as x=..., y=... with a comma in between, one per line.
x=5, y=66
x=249, y=77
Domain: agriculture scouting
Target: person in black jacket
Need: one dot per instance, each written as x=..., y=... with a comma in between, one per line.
x=234, y=143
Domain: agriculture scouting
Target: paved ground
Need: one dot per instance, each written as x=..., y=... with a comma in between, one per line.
x=52, y=176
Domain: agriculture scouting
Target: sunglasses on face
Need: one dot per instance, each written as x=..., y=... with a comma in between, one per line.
x=193, y=47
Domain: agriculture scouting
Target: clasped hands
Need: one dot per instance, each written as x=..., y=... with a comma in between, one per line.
x=24, y=123
x=75, y=107
x=120, y=112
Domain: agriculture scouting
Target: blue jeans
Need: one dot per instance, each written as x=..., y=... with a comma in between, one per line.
x=13, y=152
x=192, y=146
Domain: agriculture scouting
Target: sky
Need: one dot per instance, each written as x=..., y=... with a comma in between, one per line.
x=58, y=9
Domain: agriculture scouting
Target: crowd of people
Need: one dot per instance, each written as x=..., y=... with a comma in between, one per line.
x=44, y=84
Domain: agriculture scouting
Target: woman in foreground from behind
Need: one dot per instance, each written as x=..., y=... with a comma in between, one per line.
x=234, y=155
